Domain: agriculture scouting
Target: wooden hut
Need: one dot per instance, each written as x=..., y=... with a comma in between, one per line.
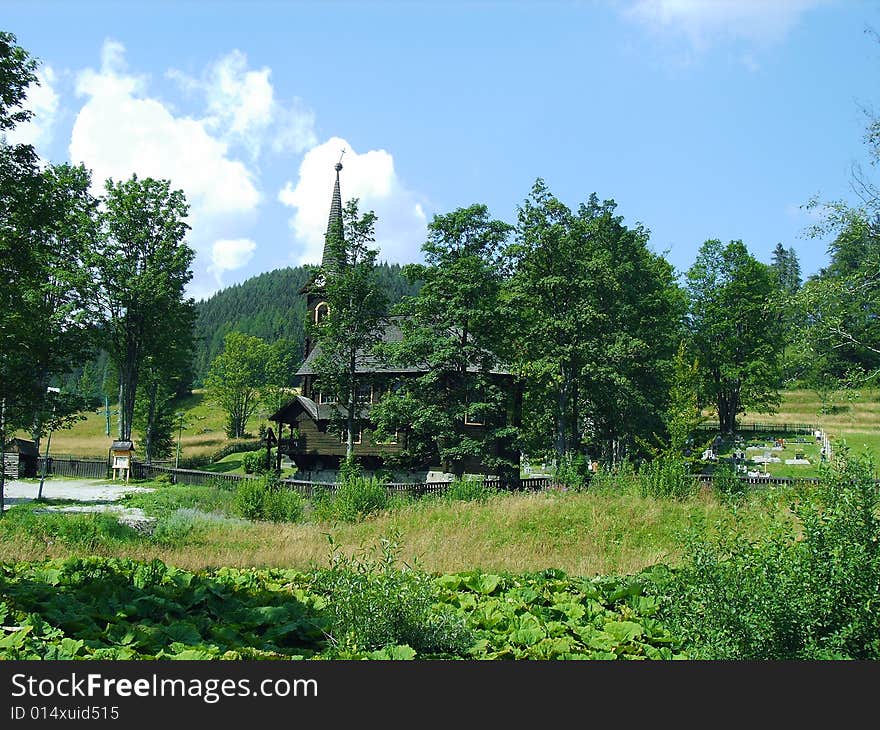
x=20, y=459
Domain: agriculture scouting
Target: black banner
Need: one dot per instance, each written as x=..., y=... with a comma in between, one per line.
x=162, y=694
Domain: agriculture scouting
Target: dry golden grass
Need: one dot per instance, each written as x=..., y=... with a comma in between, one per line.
x=854, y=412
x=583, y=534
x=204, y=431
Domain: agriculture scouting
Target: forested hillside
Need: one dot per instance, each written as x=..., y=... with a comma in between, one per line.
x=268, y=306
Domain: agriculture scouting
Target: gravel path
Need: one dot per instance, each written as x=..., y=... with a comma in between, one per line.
x=96, y=494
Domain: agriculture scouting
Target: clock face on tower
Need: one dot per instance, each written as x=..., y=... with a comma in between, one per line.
x=320, y=280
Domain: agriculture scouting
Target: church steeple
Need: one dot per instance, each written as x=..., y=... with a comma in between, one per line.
x=314, y=290
x=334, y=221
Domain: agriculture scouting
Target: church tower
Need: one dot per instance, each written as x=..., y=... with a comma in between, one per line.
x=316, y=305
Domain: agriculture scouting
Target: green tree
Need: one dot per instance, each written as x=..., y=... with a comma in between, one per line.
x=358, y=308
x=598, y=318
x=17, y=72
x=160, y=380
x=143, y=266
x=736, y=329
x=236, y=377
x=46, y=216
x=841, y=304
x=454, y=332
x=787, y=268
x=283, y=359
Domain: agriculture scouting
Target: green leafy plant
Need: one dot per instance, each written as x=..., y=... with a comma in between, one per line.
x=573, y=471
x=789, y=596
x=375, y=602
x=727, y=483
x=355, y=497
x=268, y=499
x=666, y=476
x=282, y=505
x=469, y=490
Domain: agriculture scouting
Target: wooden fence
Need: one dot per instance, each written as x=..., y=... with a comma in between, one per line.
x=83, y=468
x=309, y=488
x=762, y=427
x=98, y=469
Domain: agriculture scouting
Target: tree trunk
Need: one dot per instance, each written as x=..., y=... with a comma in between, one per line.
x=562, y=416
x=119, y=409
x=151, y=420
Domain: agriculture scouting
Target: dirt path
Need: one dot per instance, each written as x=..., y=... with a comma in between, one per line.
x=96, y=494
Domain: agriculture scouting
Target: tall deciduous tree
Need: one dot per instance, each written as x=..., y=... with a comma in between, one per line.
x=235, y=378
x=46, y=233
x=598, y=320
x=143, y=267
x=161, y=378
x=454, y=331
x=737, y=330
x=283, y=359
x=357, y=311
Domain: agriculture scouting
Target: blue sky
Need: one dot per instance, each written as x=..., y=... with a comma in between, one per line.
x=700, y=118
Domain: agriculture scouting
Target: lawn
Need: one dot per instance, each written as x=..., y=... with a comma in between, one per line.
x=234, y=464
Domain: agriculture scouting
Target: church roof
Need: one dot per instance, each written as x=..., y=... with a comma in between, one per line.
x=367, y=363
x=317, y=411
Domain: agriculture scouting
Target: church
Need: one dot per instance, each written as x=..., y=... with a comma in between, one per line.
x=304, y=425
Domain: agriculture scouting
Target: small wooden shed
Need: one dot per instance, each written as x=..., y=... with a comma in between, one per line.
x=20, y=459
x=122, y=453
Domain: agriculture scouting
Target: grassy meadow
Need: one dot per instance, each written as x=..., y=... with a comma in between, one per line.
x=203, y=432
x=582, y=533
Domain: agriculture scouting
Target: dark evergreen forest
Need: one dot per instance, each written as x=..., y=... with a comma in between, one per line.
x=268, y=306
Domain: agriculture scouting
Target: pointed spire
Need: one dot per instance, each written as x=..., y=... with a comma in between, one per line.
x=334, y=222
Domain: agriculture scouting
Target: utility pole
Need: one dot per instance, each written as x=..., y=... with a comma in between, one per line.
x=179, y=432
x=48, y=441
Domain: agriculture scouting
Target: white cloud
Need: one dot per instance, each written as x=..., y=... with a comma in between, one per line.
x=703, y=21
x=42, y=100
x=401, y=227
x=120, y=131
x=229, y=254
x=242, y=107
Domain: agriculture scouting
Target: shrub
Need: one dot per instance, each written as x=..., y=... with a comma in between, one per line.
x=373, y=604
x=358, y=497
x=282, y=505
x=355, y=497
x=250, y=495
x=727, y=483
x=573, y=471
x=469, y=490
x=254, y=462
x=267, y=499
x=810, y=596
x=666, y=476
